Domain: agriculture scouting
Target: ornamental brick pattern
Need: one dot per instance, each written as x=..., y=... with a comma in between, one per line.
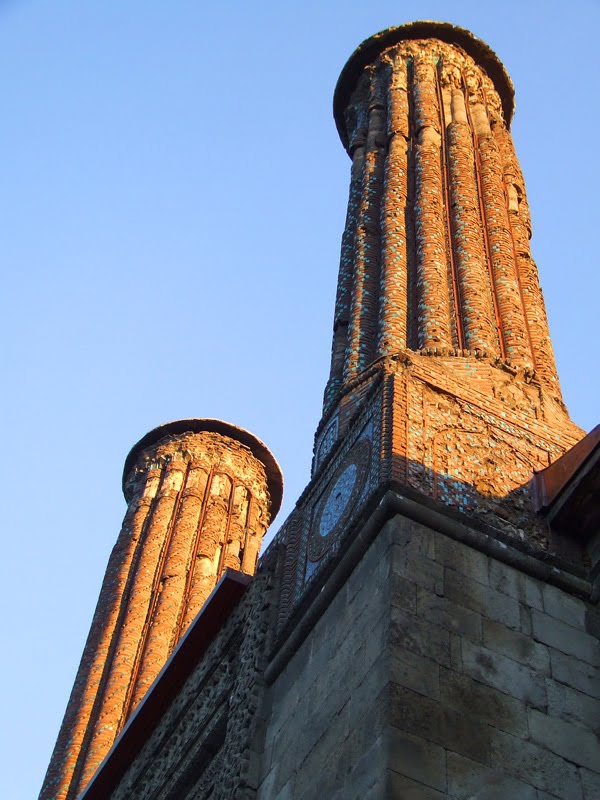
x=435, y=252
x=200, y=496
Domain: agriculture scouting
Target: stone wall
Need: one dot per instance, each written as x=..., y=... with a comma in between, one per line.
x=439, y=672
x=325, y=735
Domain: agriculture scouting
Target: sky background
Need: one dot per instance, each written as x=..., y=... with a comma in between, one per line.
x=172, y=196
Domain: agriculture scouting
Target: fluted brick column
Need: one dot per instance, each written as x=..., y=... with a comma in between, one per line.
x=433, y=303
x=437, y=213
x=200, y=496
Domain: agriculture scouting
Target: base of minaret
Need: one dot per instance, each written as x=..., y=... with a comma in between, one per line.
x=463, y=435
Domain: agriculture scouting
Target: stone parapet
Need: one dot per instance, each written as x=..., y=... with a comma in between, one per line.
x=435, y=251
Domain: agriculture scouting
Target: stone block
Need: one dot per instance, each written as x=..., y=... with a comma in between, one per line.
x=404, y=593
x=369, y=595
x=525, y=614
x=590, y=782
x=513, y=583
x=270, y=790
x=408, y=632
x=416, y=758
x=423, y=717
x=504, y=674
x=352, y=654
x=536, y=765
x=483, y=599
x=415, y=672
x=592, y=621
x=411, y=536
x=578, y=674
x=456, y=661
x=377, y=792
x=364, y=695
x=573, y=706
x=286, y=792
x=321, y=651
x=565, y=638
x=563, y=606
x=369, y=581
x=447, y=614
x=418, y=568
x=487, y=704
x=374, y=645
x=359, y=768
x=468, y=780
x=317, y=756
x=399, y=787
x=518, y=646
x=461, y=558
x=570, y=741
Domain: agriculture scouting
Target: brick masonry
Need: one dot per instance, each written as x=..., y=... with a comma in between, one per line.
x=198, y=503
x=209, y=741
x=435, y=252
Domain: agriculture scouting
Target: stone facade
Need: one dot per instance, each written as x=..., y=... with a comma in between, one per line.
x=429, y=663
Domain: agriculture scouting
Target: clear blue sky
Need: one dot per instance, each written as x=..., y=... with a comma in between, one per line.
x=172, y=195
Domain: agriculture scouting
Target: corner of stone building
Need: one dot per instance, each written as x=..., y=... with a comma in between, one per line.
x=437, y=666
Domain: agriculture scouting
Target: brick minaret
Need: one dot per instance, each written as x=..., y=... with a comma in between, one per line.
x=200, y=496
x=435, y=254
x=436, y=273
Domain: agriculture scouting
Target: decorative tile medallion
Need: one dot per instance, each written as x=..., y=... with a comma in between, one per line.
x=339, y=500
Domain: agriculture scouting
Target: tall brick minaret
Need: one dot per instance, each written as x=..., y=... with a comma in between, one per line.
x=443, y=384
x=436, y=267
x=200, y=495
x=435, y=254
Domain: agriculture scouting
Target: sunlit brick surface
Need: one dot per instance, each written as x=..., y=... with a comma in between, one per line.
x=198, y=504
x=435, y=253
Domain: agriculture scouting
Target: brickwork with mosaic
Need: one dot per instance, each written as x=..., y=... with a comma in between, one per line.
x=198, y=504
x=435, y=251
x=473, y=445
x=318, y=528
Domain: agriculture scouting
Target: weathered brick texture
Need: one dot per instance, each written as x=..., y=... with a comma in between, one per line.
x=437, y=217
x=199, y=503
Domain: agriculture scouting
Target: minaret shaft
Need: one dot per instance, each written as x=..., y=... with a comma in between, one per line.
x=435, y=253
x=199, y=502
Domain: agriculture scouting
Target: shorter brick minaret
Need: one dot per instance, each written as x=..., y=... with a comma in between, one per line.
x=200, y=496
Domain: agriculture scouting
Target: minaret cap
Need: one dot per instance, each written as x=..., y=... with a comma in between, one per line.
x=200, y=425
x=368, y=51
